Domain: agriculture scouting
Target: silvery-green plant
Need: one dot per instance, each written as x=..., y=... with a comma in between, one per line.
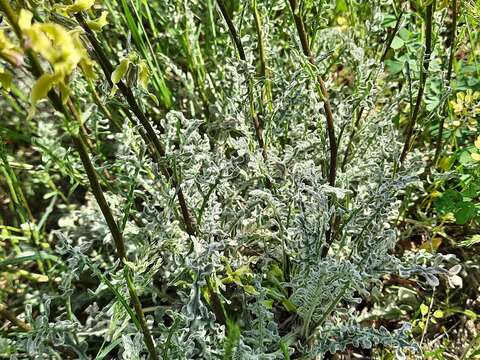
x=238, y=243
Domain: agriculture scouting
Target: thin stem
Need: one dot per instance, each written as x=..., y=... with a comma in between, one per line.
x=147, y=336
x=452, y=39
x=150, y=136
x=99, y=197
x=5, y=313
x=430, y=307
x=257, y=124
x=81, y=147
x=332, y=174
x=262, y=57
x=360, y=112
x=323, y=93
x=423, y=78
x=232, y=30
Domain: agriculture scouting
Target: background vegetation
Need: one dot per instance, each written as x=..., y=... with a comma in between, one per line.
x=220, y=179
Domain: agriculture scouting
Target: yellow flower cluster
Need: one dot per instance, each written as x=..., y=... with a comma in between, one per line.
x=62, y=48
x=465, y=107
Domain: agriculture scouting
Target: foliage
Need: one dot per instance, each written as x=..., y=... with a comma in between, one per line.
x=225, y=179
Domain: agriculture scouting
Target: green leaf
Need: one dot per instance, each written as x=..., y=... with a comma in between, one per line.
x=289, y=306
x=404, y=34
x=5, y=80
x=250, y=290
x=341, y=6
x=465, y=213
x=472, y=315
x=233, y=337
x=394, y=66
x=284, y=348
x=448, y=202
x=397, y=43
x=389, y=20
x=465, y=158
x=109, y=348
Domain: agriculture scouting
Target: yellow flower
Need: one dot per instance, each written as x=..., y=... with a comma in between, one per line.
x=457, y=106
x=9, y=51
x=477, y=142
x=476, y=156
x=77, y=6
x=62, y=48
x=98, y=23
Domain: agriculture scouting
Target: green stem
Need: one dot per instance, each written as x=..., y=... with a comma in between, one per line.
x=147, y=336
x=257, y=124
x=82, y=150
x=423, y=79
x=262, y=58
x=150, y=136
x=332, y=174
x=452, y=39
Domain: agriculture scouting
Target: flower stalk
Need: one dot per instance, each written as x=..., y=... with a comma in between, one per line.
x=452, y=39
x=257, y=122
x=68, y=112
x=430, y=9
x=302, y=34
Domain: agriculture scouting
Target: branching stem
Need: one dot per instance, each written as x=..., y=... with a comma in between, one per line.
x=453, y=33
x=82, y=150
x=430, y=9
x=150, y=136
x=257, y=123
x=332, y=174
